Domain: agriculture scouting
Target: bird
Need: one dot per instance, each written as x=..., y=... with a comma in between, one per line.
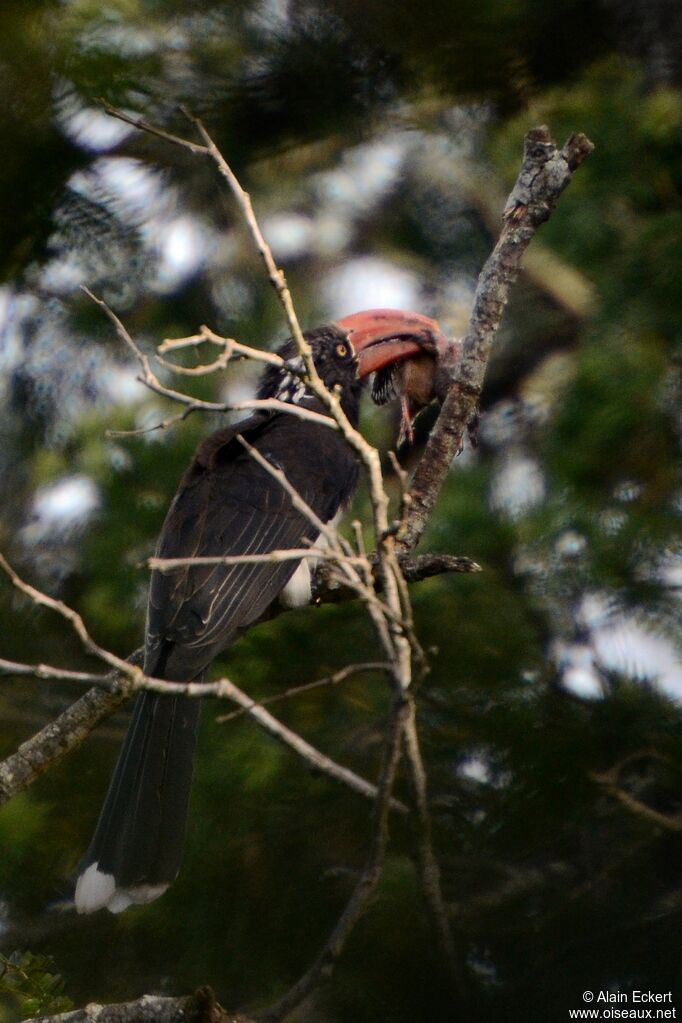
x=228, y=504
x=418, y=379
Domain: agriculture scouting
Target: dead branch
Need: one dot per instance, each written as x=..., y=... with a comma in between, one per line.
x=138, y=122
x=152, y=382
x=272, y=557
x=339, y=551
x=67, y=731
x=74, y=620
x=173, y=344
x=52, y=743
x=429, y=870
x=230, y=349
x=294, y=741
x=201, y=1007
x=326, y=590
x=393, y=625
x=276, y=276
x=47, y=671
x=613, y=783
x=59, y=737
x=545, y=173
x=321, y=683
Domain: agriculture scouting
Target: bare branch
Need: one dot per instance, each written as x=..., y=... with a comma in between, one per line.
x=425, y=566
x=73, y=725
x=47, y=671
x=328, y=680
x=203, y=370
x=326, y=590
x=231, y=349
x=198, y=1008
x=304, y=749
x=275, y=557
x=612, y=782
x=429, y=871
x=545, y=173
x=151, y=381
x=328, y=532
x=52, y=743
x=73, y=618
x=205, y=334
x=138, y=122
x=339, y=550
x=276, y=276
x=163, y=424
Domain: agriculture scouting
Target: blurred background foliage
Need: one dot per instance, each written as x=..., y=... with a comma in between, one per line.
x=377, y=140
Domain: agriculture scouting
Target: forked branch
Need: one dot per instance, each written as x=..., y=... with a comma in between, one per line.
x=545, y=173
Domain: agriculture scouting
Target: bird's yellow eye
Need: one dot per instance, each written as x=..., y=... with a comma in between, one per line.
x=342, y=350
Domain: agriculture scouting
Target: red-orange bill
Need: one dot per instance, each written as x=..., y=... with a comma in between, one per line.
x=381, y=337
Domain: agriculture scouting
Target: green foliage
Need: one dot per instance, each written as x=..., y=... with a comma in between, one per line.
x=29, y=982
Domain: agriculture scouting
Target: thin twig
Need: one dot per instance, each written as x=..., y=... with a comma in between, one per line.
x=366, y=885
x=304, y=749
x=611, y=781
x=47, y=671
x=275, y=557
x=339, y=550
x=172, y=344
x=231, y=349
x=276, y=276
x=203, y=370
x=21, y=768
x=329, y=680
x=325, y=529
x=429, y=871
x=138, y=122
x=163, y=424
x=151, y=381
x=74, y=620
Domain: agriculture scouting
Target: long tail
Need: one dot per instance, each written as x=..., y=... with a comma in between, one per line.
x=137, y=847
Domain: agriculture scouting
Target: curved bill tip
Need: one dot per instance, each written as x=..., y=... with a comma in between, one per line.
x=381, y=337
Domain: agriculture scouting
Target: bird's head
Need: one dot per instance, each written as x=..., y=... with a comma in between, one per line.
x=348, y=351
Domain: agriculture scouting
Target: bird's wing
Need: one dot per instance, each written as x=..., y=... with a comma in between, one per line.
x=229, y=505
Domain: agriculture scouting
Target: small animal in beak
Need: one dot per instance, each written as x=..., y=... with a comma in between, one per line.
x=418, y=379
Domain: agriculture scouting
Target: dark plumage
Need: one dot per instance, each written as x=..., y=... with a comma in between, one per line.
x=226, y=504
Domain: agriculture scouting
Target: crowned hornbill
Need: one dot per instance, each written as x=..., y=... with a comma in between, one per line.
x=227, y=504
